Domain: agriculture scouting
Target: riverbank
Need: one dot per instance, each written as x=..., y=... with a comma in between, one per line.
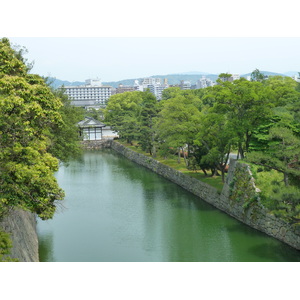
x=239, y=197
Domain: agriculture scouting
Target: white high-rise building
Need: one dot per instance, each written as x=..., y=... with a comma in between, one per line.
x=185, y=85
x=92, y=94
x=204, y=82
x=153, y=84
x=296, y=77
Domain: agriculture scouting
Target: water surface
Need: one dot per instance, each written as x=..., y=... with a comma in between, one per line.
x=118, y=211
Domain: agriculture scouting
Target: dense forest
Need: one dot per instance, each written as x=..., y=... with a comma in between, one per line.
x=37, y=132
x=259, y=120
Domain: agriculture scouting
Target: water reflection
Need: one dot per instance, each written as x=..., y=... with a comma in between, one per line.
x=119, y=211
x=46, y=247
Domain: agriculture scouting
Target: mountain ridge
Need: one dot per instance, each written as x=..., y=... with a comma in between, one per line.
x=172, y=78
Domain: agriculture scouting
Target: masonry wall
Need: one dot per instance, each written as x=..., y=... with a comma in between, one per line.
x=21, y=225
x=239, y=197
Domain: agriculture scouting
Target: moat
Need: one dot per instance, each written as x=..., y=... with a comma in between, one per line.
x=118, y=211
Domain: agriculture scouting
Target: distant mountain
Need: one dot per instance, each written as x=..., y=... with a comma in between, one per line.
x=267, y=73
x=56, y=83
x=291, y=73
x=191, y=73
x=172, y=78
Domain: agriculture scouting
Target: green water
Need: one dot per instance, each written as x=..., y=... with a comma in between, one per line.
x=117, y=211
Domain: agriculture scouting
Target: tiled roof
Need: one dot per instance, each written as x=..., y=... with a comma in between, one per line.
x=90, y=122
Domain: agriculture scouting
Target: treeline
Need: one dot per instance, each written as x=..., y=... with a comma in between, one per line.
x=258, y=119
x=37, y=131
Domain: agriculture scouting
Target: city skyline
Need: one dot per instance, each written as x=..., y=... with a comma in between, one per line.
x=120, y=58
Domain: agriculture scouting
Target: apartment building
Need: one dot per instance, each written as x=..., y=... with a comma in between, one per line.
x=204, y=82
x=91, y=95
x=153, y=84
x=185, y=85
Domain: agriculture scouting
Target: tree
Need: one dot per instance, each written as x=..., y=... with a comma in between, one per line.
x=224, y=77
x=146, y=135
x=256, y=75
x=29, y=115
x=282, y=90
x=65, y=144
x=178, y=122
x=217, y=137
x=246, y=105
x=282, y=153
x=122, y=113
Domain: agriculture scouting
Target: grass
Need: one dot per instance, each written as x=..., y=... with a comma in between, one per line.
x=172, y=161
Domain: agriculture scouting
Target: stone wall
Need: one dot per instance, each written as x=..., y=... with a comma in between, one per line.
x=95, y=145
x=21, y=225
x=239, y=197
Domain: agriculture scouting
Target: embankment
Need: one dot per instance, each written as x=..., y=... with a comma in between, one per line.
x=239, y=197
x=21, y=225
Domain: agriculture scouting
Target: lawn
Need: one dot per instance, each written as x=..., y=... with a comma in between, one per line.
x=172, y=161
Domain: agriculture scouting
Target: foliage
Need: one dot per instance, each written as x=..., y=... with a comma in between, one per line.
x=178, y=122
x=256, y=75
x=121, y=114
x=217, y=137
x=33, y=128
x=5, y=246
x=64, y=138
x=260, y=119
x=146, y=135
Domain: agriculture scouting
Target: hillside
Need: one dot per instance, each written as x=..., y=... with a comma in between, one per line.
x=267, y=73
x=172, y=79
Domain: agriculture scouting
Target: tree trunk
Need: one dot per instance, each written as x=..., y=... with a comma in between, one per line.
x=185, y=159
x=153, y=151
x=178, y=155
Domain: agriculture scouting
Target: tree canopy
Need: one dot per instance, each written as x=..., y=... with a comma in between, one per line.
x=258, y=119
x=32, y=121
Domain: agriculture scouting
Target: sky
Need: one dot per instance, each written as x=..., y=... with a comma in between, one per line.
x=119, y=58
x=116, y=40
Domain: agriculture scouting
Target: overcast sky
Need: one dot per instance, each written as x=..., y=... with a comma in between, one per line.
x=113, y=59
x=114, y=40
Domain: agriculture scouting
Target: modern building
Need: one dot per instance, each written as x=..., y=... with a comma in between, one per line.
x=153, y=84
x=157, y=90
x=123, y=88
x=151, y=80
x=296, y=77
x=204, y=82
x=185, y=85
x=92, y=94
x=230, y=78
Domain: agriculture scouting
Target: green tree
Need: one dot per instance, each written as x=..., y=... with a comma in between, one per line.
x=282, y=153
x=246, y=105
x=217, y=137
x=122, y=113
x=28, y=111
x=224, y=77
x=148, y=114
x=256, y=75
x=178, y=122
x=65, y=144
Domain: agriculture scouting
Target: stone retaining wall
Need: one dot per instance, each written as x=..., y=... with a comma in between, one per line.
x=95, y=145
x=239, y=197
x=21, y=225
